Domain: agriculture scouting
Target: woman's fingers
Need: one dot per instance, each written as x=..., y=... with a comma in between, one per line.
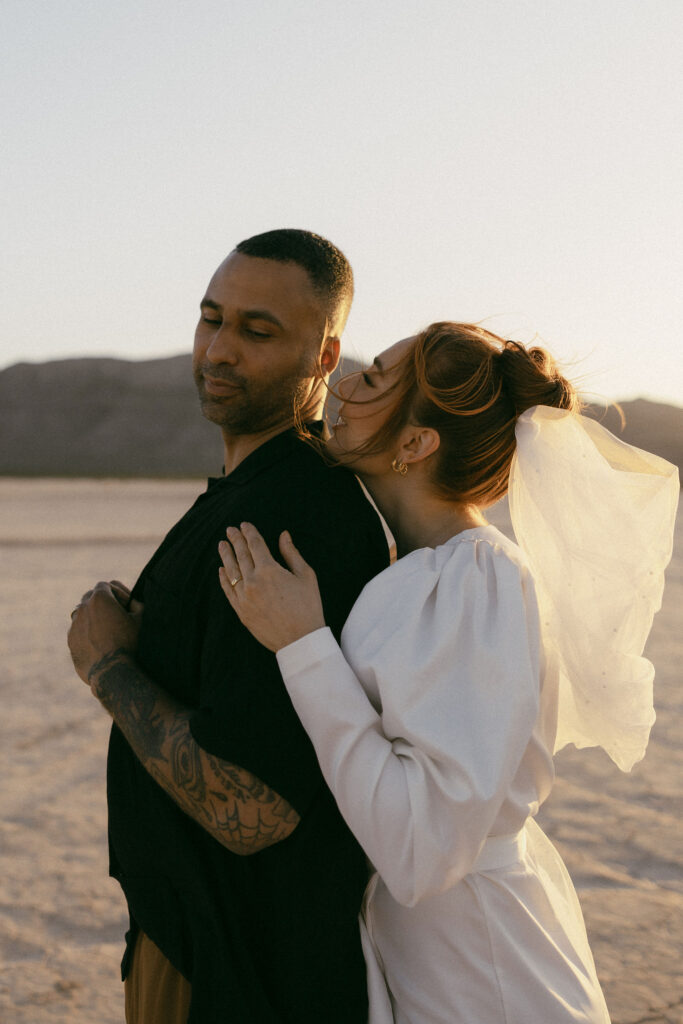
x=291, y=555
x=248, y=552
x=241, y=551
x=229, y=574
x=226, y=585
x=231, y=567
x=258, y=548
x=277, y=605
x=245, y=556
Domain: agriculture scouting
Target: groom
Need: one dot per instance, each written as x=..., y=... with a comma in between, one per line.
x=242, y=881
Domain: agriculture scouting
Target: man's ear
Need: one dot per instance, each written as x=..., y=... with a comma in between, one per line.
x=329, y=356
x=418, y=443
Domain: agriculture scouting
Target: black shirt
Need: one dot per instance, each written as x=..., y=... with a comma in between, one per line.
x=271, y=937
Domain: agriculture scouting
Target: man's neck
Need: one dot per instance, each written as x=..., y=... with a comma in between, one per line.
x=237, y=448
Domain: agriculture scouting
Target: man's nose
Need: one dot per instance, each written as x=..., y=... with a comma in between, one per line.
x=224, y=347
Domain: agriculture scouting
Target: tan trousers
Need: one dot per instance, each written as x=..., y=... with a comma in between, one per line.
x=155, y=992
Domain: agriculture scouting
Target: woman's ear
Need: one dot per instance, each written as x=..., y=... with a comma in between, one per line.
x=417, y=444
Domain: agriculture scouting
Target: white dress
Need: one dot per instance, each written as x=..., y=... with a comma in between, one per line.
x=434, y=726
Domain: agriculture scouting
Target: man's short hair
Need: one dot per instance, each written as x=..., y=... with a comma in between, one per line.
x=327, y=267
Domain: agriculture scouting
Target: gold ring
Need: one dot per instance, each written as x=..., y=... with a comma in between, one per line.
x=233, y=583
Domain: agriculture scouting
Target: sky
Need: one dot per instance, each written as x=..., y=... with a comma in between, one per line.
x=512, y=162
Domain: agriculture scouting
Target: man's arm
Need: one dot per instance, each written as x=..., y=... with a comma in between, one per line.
x=233, y=805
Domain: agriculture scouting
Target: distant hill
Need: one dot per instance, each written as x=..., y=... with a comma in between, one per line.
x=113, y=417
x=106, y=417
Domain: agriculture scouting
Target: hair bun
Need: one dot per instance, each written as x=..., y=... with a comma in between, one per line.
x=530, y=377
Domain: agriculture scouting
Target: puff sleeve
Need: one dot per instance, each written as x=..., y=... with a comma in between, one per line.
x=446, y=644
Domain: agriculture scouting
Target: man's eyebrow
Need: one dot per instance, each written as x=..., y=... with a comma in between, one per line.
x=262, y=314
x=248, y=314
x=378, y=363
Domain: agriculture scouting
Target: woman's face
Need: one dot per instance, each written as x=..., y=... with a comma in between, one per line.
x=361, y=418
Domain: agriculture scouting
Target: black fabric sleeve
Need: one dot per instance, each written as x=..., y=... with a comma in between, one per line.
x=245, y=714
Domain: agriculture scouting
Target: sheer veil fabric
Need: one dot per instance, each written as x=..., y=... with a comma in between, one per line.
x=595, y=518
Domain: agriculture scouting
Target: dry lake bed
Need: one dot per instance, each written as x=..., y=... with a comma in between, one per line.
x=62, y=919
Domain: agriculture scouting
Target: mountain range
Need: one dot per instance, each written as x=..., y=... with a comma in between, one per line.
x=94, y=417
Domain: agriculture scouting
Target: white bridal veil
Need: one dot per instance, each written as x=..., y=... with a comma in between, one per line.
x=595, y=517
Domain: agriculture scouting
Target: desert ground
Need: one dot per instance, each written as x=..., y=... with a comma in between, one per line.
x=62, y=919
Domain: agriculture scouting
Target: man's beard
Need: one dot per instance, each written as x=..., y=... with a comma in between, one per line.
x=255, y=406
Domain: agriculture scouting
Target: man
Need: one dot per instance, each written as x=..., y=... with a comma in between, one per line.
x=242, y=881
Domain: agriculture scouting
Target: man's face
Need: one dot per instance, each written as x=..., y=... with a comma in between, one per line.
x=256, y=343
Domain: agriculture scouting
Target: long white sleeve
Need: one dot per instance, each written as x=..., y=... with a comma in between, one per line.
x=419, y=748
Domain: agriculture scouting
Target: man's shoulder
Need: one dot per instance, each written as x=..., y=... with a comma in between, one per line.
x=307, y=472
x=309, y=496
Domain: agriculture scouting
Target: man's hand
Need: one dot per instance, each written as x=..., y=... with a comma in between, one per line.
x=105, y=622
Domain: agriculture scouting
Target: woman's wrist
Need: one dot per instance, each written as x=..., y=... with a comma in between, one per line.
x=306, y=649
x=293, y=636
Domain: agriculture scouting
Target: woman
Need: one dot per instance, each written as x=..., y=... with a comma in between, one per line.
x=467, y=662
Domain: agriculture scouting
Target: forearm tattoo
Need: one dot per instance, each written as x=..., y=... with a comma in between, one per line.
x=228, y=801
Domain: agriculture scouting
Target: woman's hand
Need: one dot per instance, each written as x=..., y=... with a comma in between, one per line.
x=276, y=605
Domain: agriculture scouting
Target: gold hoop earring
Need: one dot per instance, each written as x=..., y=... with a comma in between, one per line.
x=399, y=467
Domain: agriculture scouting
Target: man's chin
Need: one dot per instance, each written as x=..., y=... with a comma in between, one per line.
x=234, y=424
x=216, y=411
x=211, y=409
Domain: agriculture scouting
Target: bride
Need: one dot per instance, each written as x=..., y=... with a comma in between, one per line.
x=465, y=664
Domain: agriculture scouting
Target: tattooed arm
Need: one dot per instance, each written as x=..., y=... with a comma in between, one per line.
x=233, y=805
